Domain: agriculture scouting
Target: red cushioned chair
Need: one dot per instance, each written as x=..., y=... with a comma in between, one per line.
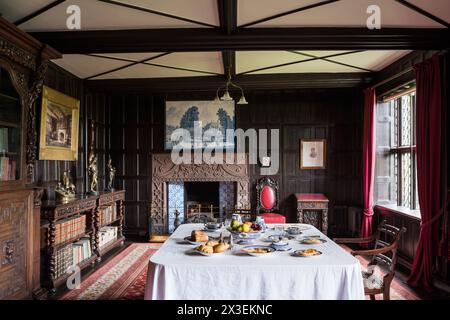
x=267, y=196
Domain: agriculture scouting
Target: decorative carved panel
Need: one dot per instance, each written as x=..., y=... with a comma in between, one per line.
x=164, y=170
x=13, y=247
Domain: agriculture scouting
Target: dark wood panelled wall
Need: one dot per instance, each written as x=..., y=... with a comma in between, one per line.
x=49, y=172
x=134, y=129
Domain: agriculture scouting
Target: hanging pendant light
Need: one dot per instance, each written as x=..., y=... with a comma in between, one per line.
x=242, y=100
x=226, y=95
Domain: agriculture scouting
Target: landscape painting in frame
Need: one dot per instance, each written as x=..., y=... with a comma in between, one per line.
x=59, y=126
x=214, y=117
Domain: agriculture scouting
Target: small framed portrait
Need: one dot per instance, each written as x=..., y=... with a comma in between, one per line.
x=265, y=161
x=59, y=126
x=313, y=154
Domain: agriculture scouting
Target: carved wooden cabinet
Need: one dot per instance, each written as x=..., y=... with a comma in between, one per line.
x=23, y=62
x=17, y=239
x=54, y=214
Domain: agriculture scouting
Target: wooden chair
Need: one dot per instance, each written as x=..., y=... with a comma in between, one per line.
x=384, y=255
x=267, y=201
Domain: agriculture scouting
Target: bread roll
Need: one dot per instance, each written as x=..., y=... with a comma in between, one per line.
x=212, y=243
x=221, y=247
x=206, y=249
x=199, y=236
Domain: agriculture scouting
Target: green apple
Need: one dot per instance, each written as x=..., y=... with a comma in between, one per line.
x=235, y=224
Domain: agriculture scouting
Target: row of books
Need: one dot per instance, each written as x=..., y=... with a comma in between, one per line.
x=7, y=168
x=71, y=255
x=70, y=228
x=81, y=250
x=107, y=214
x=107, y=234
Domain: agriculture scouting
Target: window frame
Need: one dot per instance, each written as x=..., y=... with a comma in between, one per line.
x=399, y=149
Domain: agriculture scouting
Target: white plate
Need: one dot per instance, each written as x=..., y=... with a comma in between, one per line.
x=295, y=254
x=211, y=230
x=194, y=250
x=188, y=239
x=303, y=241
x=270, y=250
x=284, y=248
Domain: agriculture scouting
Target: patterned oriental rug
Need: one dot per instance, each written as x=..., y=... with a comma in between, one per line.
x=121, y=278
x=124, y=277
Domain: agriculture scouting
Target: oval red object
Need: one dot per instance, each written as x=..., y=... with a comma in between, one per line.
x=267, y=197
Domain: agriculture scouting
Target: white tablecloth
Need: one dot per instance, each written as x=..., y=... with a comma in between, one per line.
x=173, y=274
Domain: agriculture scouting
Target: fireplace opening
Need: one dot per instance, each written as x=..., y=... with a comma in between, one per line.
x=202, y=197
x=192, y=200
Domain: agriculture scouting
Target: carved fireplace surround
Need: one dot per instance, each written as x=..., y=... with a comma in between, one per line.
x=164, y=171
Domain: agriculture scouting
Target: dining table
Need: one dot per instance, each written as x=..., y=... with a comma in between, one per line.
x=175, y=273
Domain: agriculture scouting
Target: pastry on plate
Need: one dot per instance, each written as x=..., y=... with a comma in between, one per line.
x=221, y=247
x=206, y=249
x=312, y=241
x=199, y=236
x=257, y=250
x=212, y=243
x=308, y=252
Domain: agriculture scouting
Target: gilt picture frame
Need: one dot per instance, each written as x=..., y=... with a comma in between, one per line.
x=59, y=123
x=313, y=154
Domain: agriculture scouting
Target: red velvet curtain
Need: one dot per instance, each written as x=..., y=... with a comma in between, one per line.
x=428, y=137
x=368, y=160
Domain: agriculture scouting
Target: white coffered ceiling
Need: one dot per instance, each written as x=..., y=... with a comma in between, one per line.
x=153, y=14
x=344, y=13
x=187, y=64
x=125, y=14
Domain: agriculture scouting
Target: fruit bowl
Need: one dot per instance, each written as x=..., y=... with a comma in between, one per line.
x=245, y=235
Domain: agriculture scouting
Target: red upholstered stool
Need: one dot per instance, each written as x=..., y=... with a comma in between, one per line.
x=273, y=218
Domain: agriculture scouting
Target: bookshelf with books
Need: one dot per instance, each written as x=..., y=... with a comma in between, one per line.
x=79, y=233
x=109, y=221
x=67, y=238
x=11, y=127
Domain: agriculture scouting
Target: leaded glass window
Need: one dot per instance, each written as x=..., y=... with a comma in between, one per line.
x=403, y=151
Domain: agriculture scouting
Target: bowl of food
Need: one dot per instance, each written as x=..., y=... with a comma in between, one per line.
x=246, y=230
x=294, y=230
x=280, y=244
x=212, y=226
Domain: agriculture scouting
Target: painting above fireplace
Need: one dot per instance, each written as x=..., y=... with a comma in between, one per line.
x=211, y=118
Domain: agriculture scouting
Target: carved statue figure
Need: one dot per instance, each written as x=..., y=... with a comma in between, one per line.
x=65, y=190
x=93, y=173
x=111, y=175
